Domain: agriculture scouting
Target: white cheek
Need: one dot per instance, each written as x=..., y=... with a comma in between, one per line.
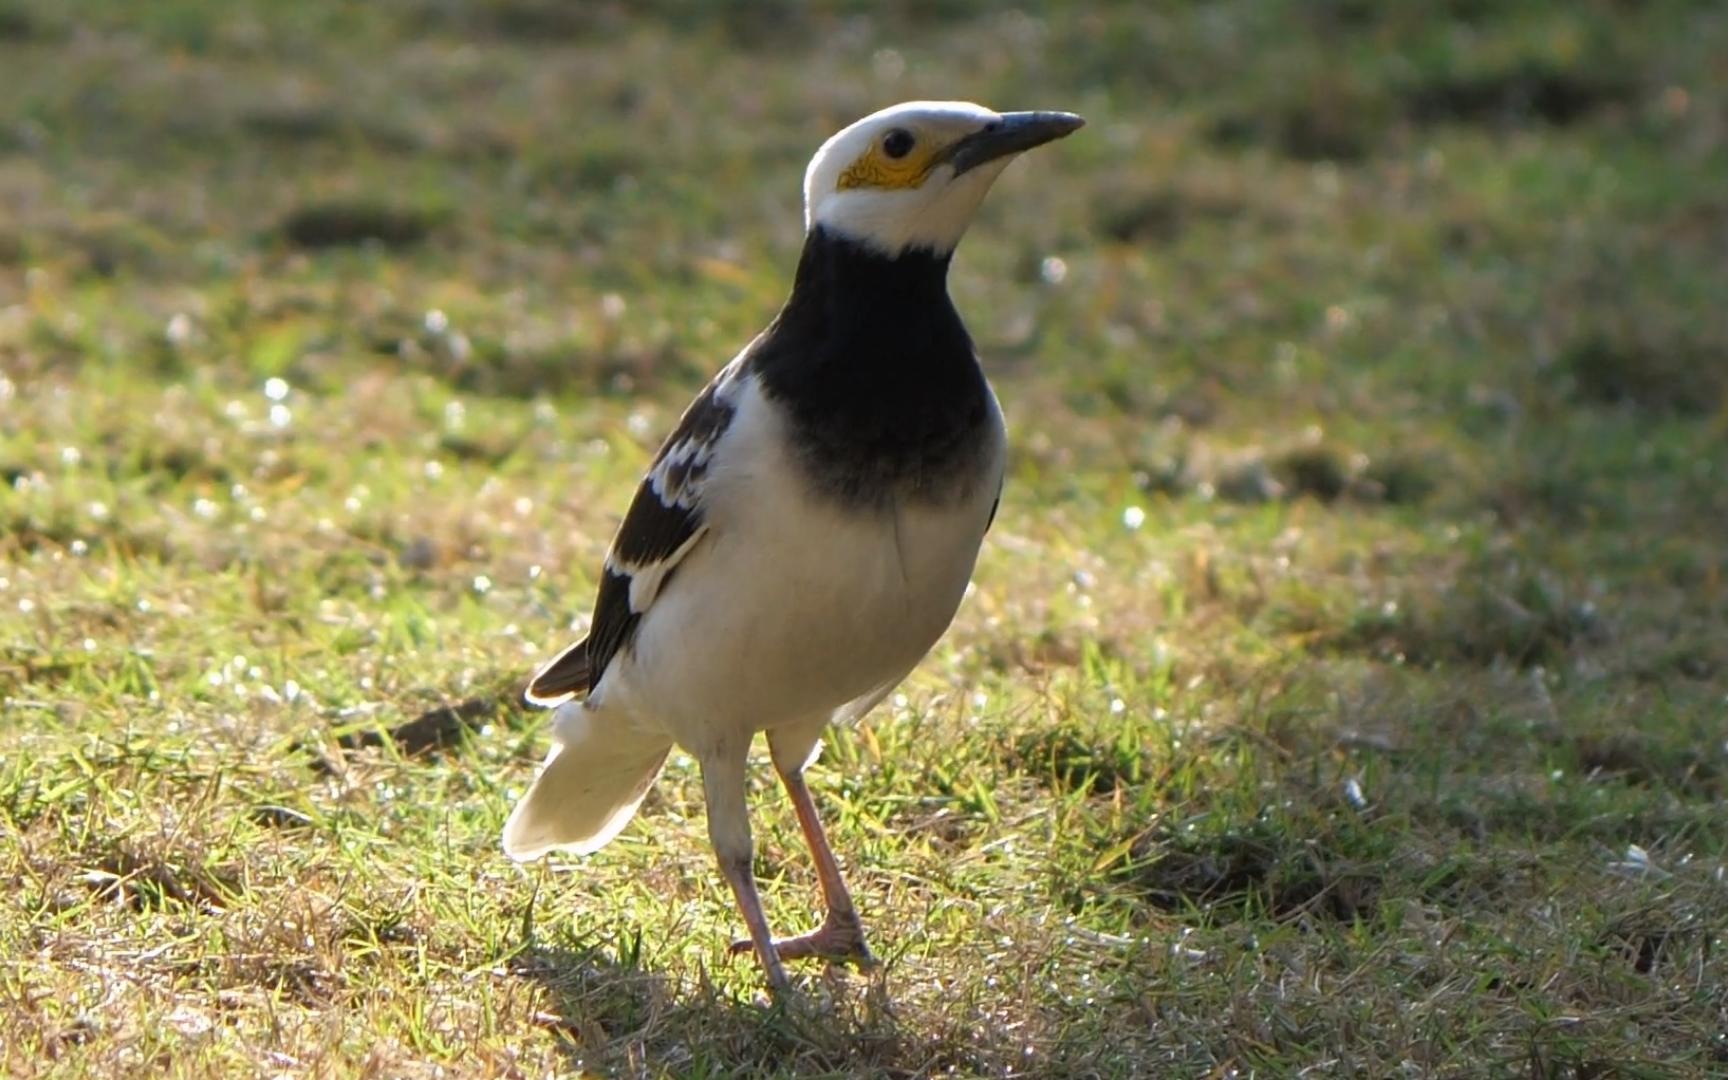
x=881, y=219
x=933, y=216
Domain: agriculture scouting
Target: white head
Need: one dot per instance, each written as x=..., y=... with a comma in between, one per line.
x=912, y=175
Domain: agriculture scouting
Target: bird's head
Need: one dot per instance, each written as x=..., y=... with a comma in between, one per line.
x=911, y=176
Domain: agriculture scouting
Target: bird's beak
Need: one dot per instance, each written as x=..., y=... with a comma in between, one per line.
x=1012, y=133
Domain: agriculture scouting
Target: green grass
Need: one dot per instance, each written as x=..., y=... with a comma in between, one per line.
x=1345, y=682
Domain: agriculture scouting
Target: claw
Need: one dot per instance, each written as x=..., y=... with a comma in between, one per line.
x=837, y=940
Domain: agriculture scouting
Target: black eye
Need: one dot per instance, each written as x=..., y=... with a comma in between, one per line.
x=898, y=143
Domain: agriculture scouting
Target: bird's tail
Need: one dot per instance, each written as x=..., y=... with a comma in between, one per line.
x=588, y=789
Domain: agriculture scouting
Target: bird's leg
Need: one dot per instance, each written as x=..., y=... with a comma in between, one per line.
x=729, y=832
x=841, y=935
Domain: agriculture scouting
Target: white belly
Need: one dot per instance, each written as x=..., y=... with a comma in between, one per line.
x=796, y=609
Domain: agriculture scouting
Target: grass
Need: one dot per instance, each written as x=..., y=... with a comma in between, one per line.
x=1343, y=688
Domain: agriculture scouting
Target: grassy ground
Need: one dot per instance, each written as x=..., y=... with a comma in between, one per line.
x=1345, y=684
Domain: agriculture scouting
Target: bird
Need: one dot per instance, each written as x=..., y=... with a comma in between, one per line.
x=806, y=533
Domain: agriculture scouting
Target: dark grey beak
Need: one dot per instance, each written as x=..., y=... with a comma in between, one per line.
x=1013, y=133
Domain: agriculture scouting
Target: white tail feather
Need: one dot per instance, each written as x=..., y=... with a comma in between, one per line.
x=588, y=789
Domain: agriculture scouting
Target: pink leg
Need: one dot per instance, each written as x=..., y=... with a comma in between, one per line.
x=841, y=935
x=729, y=831
x=743, y=883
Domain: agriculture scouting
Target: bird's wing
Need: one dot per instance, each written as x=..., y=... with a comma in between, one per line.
x=665, y=521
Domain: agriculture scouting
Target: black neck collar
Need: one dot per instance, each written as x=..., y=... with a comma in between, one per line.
x=842, y=283
x=874, y=366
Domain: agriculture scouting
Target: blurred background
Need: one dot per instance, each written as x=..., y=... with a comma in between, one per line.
x=1361, y=564
x=1459, y=262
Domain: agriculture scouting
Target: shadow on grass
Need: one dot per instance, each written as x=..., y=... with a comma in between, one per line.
x=348, y=222
x=612, y=1014
x=442, y=728
x=615, y=1017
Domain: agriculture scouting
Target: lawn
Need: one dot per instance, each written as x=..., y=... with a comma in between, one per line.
x=1344, y=688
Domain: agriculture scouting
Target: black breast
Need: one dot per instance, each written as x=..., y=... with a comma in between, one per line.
x=875, y=369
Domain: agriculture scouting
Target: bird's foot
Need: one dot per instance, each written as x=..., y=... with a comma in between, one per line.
x=838, y=939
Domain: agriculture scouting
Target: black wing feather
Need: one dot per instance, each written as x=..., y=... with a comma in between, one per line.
x=664, y=516
x=614, y=624
x=562, y=677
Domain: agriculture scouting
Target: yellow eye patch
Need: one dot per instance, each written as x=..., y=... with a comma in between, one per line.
x=876, y=169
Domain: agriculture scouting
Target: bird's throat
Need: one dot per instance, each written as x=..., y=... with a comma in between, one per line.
x=875, y=368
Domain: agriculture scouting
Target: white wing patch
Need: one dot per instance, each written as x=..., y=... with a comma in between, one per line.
x=645, y=581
